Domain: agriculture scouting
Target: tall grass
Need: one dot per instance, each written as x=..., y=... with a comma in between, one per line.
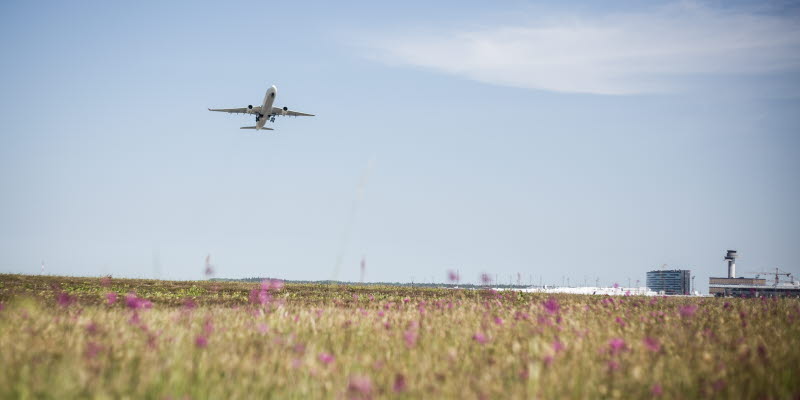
x=63, y=338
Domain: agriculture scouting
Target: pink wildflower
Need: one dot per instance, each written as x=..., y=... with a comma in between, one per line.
x=621, y=322
x=486, y=279
x=548, y=360
x=452, y=276
x=399, y=383
x=208, y=327
x=189, y=304
x=92, y=349
x=616, y=285
x=480, y=338
x=551, y=305
x=656, y=390
x=91, y=328
x=406, y=300
x=360, y=387
x=105, y=281
x=688, y=310
x=612, y=365
x=111, y=298
x=201, y=342
x=652, y=344
x=498, y=321
x=558, y=346
x=134, y=302
x=617, y=345
x=326, y=358
x=65, y=299
x=410, y=337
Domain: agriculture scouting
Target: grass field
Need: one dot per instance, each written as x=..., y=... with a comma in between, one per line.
x=63, y=337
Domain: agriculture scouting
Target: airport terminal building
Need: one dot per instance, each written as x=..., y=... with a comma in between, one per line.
x=673, y=281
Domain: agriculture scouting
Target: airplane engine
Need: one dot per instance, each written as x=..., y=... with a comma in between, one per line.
x=285, y=109
x=250, y=108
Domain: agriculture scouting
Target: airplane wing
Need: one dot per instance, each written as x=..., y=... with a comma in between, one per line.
x=280, y=111
x=242, y=110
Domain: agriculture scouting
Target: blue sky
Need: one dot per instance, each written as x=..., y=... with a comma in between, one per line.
x=576, y=141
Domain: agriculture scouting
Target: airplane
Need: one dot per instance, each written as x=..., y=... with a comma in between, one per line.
x=265, y=112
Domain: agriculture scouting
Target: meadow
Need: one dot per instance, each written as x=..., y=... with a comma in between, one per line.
x=67, y=337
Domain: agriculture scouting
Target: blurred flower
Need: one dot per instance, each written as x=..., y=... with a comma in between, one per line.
x=262, y=328
x=617, y=345
x=498, y=321
x=134, y=302
x=111, y=298
x=452, y=276
x=551, y=305
x=399, y=385
x=620, y=321
x=480, y=338
x=105, y=281
x=612, y=365
x=688, y=310
x=548, y=360
x=651, y=344
x=91, y=328
x=486, y=279
x=189, y=304
x=92, y=349
x=326, y=358
x=360, y=387
x=410, y=337
x=558, y=346
x=616, y=285
x=201, y=342
x=64, y=299
x=656, y=390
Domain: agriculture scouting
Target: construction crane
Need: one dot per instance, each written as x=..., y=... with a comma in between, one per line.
x=778, y=273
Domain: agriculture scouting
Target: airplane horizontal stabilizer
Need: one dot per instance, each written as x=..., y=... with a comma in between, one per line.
x=253, y=127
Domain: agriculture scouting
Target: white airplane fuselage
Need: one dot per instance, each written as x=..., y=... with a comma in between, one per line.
x=266, y=107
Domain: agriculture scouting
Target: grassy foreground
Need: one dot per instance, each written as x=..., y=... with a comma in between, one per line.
x=66, y=337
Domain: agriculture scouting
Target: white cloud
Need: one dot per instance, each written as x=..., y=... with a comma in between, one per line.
x=658, y=51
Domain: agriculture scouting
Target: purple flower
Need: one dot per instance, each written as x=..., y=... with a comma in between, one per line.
x=65, y=299
x=201, y=342
x=91, y=328
x=111, y=297
x=486, y=279
x=410, y=337
x=134, y=302
x=617, y=345
x=498, y=321
x=105, y=281
x=92, y=349
x=551, y=305
x=399, y=385
x=620, y=321
x=688, y=310
x=652, y=344
x=452, y=276
x=480, y=338
x=326, y=358
x=558, y=346
x=189, y=304
x=360, y=387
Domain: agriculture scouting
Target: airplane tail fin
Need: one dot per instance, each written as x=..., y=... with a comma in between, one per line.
x=253, y=127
